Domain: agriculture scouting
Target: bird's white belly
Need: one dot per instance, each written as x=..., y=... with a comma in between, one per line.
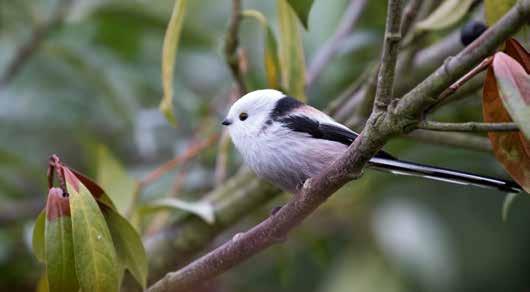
x=287, y=160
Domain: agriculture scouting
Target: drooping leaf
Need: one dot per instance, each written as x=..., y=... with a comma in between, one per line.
x=302, y=9
x=514, y=88
x=96, y=262
x=37, y=240
x=270, y=58
x=115, y=180
x=447, y=14
x=60, y=264
x=169, y=53
x=515, y=50
x=506, y=205
x=204, y=210
x=495, y=9
x=128, y=243
x=291, y=52
x=509, y=147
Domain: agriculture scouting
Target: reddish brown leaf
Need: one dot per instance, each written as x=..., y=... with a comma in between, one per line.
x=92, y=186
x=515, y=50
x=57, y=205
x=511, y=149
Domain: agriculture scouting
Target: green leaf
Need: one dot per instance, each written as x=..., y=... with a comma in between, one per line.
x=514, y=89
x=507, y=204
x=115, y=181
x=128, y=243
x=96, y=191
x=60, y=264
x=169, y=52
x=495, y=9
x=270, y=58
x=42, y=284
x=302, y=9
x=37, y=240
x=447, y=14
x=95, y=256
x=291, y=52
x=204, y=210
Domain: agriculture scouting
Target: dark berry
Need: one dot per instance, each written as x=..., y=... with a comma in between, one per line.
x=471, y=31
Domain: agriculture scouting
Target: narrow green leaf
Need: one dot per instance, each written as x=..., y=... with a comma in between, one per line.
x=507, y=204
x=447, y=14
x=270, y=58
x=204, y=210
x=115, y=181
x=495, y=9
x=96, y=191
x=302, y=9
x=291, y=52
x=514, y=89
x=169, y=53
x=128, y=243
x=42, y=284
x=37, y=240
x=95, y=256
x=60, y=265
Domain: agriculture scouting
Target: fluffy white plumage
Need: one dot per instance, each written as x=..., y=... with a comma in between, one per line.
x=286, y=142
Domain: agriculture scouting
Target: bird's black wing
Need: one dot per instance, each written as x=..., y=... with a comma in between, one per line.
x=324, y=131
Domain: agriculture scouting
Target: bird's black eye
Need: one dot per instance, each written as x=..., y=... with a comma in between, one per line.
x=243, y=116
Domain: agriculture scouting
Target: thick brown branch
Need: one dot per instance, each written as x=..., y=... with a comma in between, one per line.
x=468, y=127
x=385, y=79
x=232, y=44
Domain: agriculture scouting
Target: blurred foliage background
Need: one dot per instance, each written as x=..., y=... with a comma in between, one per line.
x=95, y=80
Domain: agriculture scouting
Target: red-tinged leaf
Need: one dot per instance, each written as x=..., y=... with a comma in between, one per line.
x=514, y=88
x=60, y=265
x=96, y=191
x=509, y=147
x=96, y=262
x=515, y=50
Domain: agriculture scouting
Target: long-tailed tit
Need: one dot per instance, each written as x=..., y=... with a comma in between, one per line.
x=286, y=142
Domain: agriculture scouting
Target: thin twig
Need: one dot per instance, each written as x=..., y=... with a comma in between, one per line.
x=191, y=152
x=385, y=79
x=38, y=35
x=330, y=48
x=231, y=46
x=453, y=139
x=468, y=127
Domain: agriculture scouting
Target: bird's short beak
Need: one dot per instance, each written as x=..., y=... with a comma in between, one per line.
x=226, y=122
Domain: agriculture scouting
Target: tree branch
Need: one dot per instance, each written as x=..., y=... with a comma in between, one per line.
x=380, y=128
x=326, y=53
x=231, y=45
x=38, y=35
x=468, y=127
x=385, y=79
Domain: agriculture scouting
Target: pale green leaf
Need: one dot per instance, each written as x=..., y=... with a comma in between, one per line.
x=302, y=9
x=514, y=89
x=507, y=204
x=96, y=262
x=42, y=284
x=128, y=243
x=169, y=52
x=495, y=9
x=113, y=178
x=270, y=58
x=291, y=52
x=447, y=14
x=60, y=264
x=205, y=210
x=37, y=240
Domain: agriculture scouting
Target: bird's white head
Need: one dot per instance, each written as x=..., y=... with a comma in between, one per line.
x=248, y=115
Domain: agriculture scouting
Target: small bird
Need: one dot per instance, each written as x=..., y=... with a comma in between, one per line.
x=286, y=141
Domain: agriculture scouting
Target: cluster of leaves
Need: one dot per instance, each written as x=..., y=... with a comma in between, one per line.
x=83, y=239
x=284, y=64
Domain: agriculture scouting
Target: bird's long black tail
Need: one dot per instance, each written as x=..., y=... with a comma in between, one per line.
x=453, y=176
